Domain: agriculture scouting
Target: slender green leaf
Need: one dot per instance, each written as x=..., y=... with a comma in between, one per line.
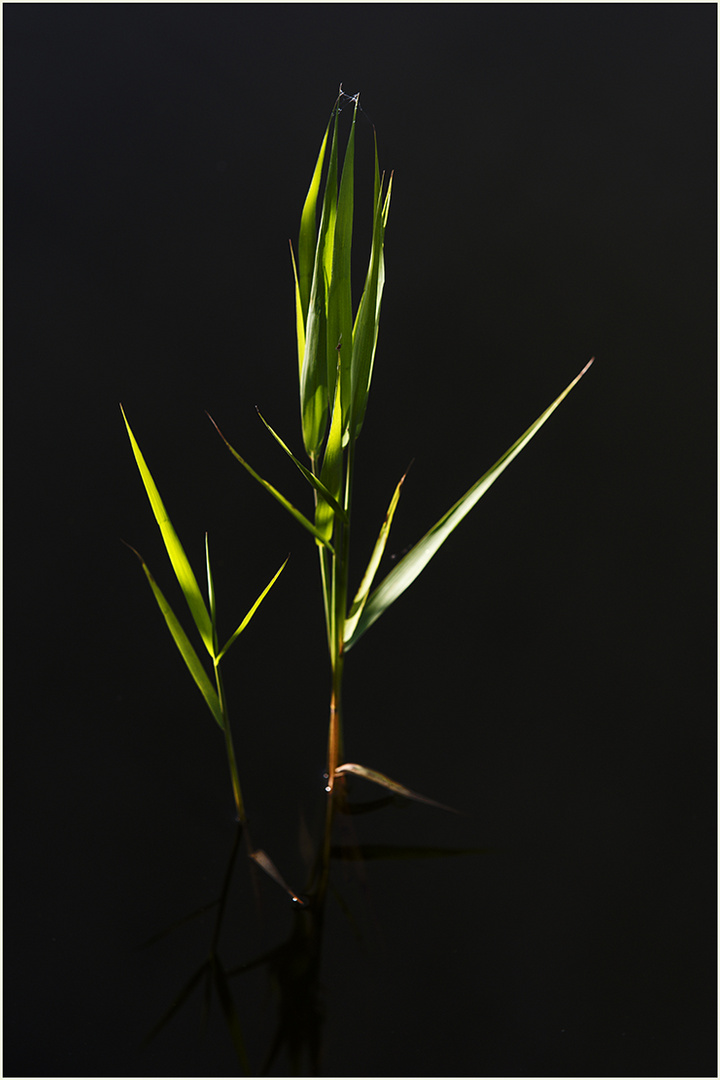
x=186, y=650
x=365, y=331
x=310, y=477
x=273, y=491
x=366, y=584
x=315, y=393
x=391, y=785
x=340, y=319
x=331, y=473
x=299, y=317
x=252, y=611
x=178, y=558
x=403, y=575
x=308, y=230
x=211, y=599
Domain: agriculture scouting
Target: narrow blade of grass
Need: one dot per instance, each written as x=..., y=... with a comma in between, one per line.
x=365, y=331
x=315, y=393
x=186, y=650
x=331, y=473
x=252, y=611
x=366, y=584
x=340, y=319
x=392, y=785
x=308, y=228
x=306, y=524
x=403, y=575
x=178, y=558
x=299, y=316
x=310, y=477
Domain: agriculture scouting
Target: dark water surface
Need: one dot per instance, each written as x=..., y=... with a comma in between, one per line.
x=552, y=672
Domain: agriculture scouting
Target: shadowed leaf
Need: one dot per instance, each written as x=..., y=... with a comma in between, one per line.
x=177, y=1004
x=272, y=871
x=391, y=785
x=230, y=1013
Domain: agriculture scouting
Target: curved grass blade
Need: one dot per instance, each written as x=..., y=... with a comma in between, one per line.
x=299, y=315
x=211, y=600
x=391, y=785
x=273, y=491
x=178, y=558
x=252, y=611
x=400, y=851
x=403, y=575
x=310, y=477
x=366, y=584
x=186, y=650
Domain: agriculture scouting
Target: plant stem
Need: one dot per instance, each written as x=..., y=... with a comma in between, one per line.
x=237, y=793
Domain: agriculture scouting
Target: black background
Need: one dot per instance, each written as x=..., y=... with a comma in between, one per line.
x=552, y=672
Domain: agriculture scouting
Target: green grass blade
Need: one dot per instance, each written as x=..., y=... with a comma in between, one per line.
x=392, y=785
x=299, y=316
x=187, y=652
x=178, y=558
x=310, y=477
x=366, y=584
x=418, y=557
x=315, y=394
x=365, y=331
x=331, y=473
x=211, y=598
x=340, y=318
x=308, y=229
x=252, y=611
x=306, y=524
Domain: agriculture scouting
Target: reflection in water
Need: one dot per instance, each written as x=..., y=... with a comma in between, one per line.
x=293, y=966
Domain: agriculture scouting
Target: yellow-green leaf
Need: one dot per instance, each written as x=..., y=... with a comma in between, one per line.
x=178, y=558
x=187, y=652
x=403, y=575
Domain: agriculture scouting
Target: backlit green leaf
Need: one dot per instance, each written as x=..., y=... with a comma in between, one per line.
x=252, y=611
x=418, y=557
x=273, y=491
x=310, y=477
x=186, y=650
x=178, y=558
x=366, y=584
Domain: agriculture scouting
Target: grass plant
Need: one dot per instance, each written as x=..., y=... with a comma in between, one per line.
x=336, y=348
